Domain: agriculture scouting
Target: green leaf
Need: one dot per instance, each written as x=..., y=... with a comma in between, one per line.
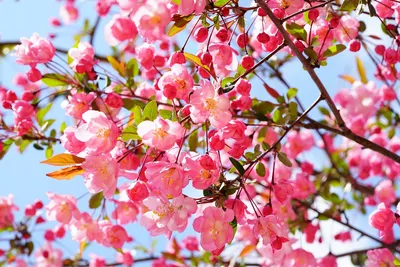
x=193, y=141
x=132, y=68
x=237, y=165
x=179, y=25
x=260, y=169
x=333, y=50
x=177, y=2
x=150, y=110
x=283, y=158
x=130, y=133
x=54, y=80
x=6, y=146
x=95, y=200
x=291, y=93
x=137, y=114
x=277, y=116
x=221, y=3
x=129, y=104
x=265, y=146
x=42, y=112
x=166, y=114
x=324, y=111
x=311, y=53
x=349, y=5
x=297, y=31
x=63, y=126
x=293, y=110
x=37, y=146
x=49, y=152
x=216, y=22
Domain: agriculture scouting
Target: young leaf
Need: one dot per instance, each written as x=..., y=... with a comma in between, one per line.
x=349, y=5
x=54, y=80
x=297, y=31
x=42, y=113
x=116, y=65
x=179, y=25
x=66, y=173
x=130, y=133
x=220, y=3
x=150, y=110
x=237, y=165
x=132, y=68
x=196, y=60
x=260, y=169
x=283, y=158
x=361, y=71
x=63, y=160
x=334, y=50
x=247, y=249
x=95, y=200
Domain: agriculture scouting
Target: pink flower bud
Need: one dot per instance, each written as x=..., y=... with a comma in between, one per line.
x=207, y=162
x=55, y=22
x=313, y=14
x=279, y=13
x=263, y=37
x=27, y=96
x=334, y=22
x=40, y=220
x=201, y=34
x=34, y=75
x=242, y=40
x=59, y=231
x=380, y=49
x=38, y=204
x=261, y=12
x=177, y=58
x=222, y=35
x=354, y=46
x=49, y=235
x=137, y=191
x=206, y=58
x=247, y=62
x=30, y=211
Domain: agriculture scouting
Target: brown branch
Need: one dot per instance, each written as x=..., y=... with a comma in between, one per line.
x=344, y=130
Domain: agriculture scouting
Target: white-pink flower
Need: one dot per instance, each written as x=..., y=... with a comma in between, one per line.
x=98, y=132
x=208, y=104
x=160, y=134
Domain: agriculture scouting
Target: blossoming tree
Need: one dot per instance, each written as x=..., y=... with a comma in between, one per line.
x=172, y=131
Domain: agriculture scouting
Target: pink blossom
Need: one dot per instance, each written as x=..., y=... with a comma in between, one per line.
x=380, y=257
x=239, y=209
x=347, y=29
x=119, y=29
x=190, y=6
x=310, y=232
x=304, y=187
x=22, y=109
x=69, y=13
x=70, y=142
x=6, y=211
x=208, y=104
x=125, y=212
x=85, y=229
x=62, y=208
x=98, y=132
x=83, y=58
x=385, y=192
x=269, y=229
x=145, y=55
x=160, y=134
x=191, y=243
x=125, y=258
x=47, y=256
x=96, y=261
x=168, y=177
x=101, y=172
x=224, y=58
x=298, y=142
x=382, y=218
x=79, y=103
x=151, y=19
x=137, y=191
x=214, y=228
x=200, y=176
x=179, y=80
x=165, y=217
x=327, y=261
x=343, y=236
x=300, y=257
x=113, y=235
x=384, y=8
x=34, y=51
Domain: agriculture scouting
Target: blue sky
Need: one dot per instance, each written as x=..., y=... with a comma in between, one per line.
x=23, y=176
